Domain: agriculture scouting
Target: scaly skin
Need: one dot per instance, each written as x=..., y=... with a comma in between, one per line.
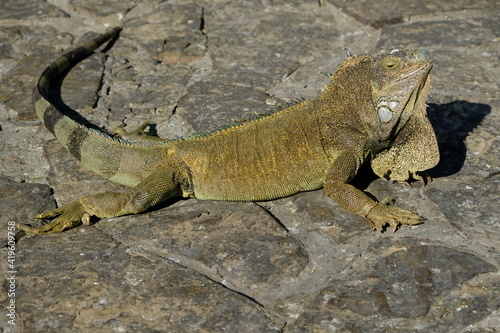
x=373, y=110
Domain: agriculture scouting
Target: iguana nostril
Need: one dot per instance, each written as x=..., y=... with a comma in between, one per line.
x=423, y=56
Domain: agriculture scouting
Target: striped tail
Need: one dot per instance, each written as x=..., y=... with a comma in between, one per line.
x=119, y=160
x=44, y=108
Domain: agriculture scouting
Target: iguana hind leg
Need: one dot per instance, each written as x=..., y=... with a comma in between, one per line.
x=157, y=187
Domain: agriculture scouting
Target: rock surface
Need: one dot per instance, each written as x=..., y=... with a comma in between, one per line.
x=297, y=264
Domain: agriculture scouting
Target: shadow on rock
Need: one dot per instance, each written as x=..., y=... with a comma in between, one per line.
x=452, y=123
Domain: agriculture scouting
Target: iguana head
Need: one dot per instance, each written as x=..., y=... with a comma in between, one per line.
x=400, y=84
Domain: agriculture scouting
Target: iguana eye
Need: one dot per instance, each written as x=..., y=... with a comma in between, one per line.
x=391, y=64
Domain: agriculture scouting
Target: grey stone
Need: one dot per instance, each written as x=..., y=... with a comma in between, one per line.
x=27, y=10
x=28, y=200
x=108, y=286
x=386, y=12
x=296, y=264
x=403, y=285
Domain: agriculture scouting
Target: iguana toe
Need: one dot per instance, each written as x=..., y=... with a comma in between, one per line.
x=71, y=215
x=383, y=213
x=423, y=177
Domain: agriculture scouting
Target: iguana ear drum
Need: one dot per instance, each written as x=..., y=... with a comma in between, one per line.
x=386, y=110
x=384, y=113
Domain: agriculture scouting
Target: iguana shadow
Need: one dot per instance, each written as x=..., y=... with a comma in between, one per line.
x=452, y=123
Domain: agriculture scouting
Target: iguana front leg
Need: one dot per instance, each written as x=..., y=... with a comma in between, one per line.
x=356, y=201
x=413, y=151
x=159, y=186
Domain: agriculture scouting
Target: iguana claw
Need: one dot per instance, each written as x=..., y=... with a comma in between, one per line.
x=423, y=177
x=383, y=213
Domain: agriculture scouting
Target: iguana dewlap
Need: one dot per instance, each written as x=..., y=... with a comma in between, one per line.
x=373, y=110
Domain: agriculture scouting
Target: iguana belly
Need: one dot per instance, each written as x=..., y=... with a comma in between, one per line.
x=254, y=186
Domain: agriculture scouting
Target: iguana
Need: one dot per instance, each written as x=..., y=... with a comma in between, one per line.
x=373, y=110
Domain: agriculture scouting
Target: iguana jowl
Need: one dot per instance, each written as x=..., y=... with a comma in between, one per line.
x=373, y=110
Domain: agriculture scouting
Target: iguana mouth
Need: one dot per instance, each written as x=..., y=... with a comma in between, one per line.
x=425, y=69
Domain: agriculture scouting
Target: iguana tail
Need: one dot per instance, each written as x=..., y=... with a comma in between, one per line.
x=112, y=158
x=44, y=108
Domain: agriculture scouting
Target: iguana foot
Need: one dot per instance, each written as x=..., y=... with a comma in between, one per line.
x=383, y=213
x=423, y=177
x=71, y=215
x=139, y=134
